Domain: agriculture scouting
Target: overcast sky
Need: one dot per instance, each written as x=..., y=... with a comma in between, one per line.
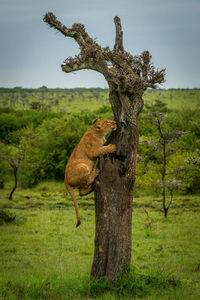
x=31, y=53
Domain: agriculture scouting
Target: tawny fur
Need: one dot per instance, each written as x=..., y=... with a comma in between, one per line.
x=80, y=170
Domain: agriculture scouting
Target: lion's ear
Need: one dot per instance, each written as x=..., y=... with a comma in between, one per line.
x=94, y=121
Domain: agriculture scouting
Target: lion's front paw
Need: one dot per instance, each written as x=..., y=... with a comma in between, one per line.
x=112, y=148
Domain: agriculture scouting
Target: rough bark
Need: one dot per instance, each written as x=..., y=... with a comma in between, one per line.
x=113, y=205
x=128, y=77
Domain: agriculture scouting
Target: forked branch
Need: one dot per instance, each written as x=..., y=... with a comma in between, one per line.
x=74, y=32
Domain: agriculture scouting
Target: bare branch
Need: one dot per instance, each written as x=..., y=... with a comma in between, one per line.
x=193, y=161
x=52, y=21
x=149, y=224
x=81, y=63
x=74, y=64
x=181, y=169
x=119, y=35
x=90, y=57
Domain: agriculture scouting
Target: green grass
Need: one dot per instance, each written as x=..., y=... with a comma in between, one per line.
x=44, y=256
x=68, y=101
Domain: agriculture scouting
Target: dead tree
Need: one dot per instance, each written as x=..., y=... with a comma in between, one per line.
x=15, y=166
x=166, y=138
x=19, y=155
x=128, y=77
x=14, y=161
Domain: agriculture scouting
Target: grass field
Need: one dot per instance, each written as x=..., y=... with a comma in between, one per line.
x=43, y=255
x=76, y=100
x=67, y=101
x=175, y=99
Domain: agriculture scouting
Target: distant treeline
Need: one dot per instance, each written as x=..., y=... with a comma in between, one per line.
x=73, y=90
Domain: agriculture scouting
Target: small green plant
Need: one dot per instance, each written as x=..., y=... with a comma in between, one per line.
x=99, y=287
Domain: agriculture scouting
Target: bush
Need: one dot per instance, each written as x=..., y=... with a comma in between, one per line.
x=7, y=217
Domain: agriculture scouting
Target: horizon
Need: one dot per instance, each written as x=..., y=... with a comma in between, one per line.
x=92, y=87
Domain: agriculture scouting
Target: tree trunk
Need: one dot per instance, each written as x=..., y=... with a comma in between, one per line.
x=113, y=211
x=164, y=195
x=113, y=199
x=15, y=186
x=165, y=211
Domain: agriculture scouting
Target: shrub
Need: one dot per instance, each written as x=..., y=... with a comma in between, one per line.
x=7, y=217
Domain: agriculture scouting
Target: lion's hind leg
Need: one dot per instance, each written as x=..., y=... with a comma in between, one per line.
x=87, y=189
x=78, y=175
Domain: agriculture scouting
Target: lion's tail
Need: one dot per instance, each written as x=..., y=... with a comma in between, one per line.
x=72, y=194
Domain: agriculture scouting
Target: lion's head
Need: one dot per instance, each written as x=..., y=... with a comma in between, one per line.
x=104, y=126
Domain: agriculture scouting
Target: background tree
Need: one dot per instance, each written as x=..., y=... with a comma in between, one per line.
x=159, y=152
x=14, y=155
x=128, y=77
x=13, y=152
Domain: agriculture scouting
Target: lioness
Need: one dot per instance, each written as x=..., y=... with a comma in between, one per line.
x=80, y=170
